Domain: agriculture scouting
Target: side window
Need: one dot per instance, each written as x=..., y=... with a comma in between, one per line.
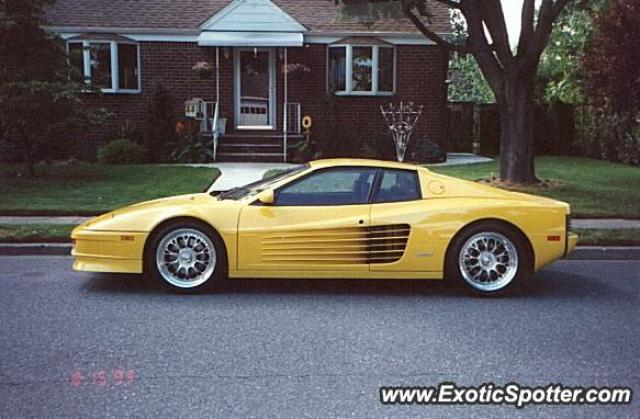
x=398, y=186
x=342, y=186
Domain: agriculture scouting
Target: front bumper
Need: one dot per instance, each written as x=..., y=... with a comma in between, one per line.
x=108, y=251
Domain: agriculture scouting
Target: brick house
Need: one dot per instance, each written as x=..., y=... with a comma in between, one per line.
x=264, y=65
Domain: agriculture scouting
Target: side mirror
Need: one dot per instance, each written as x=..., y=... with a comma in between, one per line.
x=267, y=197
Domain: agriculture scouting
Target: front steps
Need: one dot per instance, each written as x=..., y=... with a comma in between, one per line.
x=254, y=147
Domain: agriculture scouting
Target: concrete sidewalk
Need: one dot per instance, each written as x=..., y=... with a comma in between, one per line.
x=460, y=159
x=606, y=223
x=15, y=220
x=234, y=174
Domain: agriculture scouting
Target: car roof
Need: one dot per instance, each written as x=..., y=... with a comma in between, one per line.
x=319, y=164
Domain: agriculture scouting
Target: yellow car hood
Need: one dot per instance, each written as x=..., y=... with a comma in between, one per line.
x=143, y=217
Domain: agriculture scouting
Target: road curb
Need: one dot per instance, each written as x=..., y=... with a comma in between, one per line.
x=605, y=253
x=581, y=252
x=35, y=249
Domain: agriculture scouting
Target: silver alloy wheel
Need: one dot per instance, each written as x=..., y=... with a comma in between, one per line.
x=488, y=261
x=186, y=258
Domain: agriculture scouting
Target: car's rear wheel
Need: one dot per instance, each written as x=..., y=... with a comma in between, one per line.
x=489, y=259
x=186, y=257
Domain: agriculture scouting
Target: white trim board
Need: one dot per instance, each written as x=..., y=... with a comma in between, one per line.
x=146, y=35
x=250, y=39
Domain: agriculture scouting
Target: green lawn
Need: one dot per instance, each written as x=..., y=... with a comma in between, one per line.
x=87, y=189
x=26, y=233
x=609, y=237
x=593, y=188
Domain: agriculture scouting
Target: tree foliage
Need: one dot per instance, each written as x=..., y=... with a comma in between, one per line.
x=161, y=123
x=612, y=60
x=469, y=85
x=39, y=89
x=612, y=78
x=510, y=73
x=561, y=75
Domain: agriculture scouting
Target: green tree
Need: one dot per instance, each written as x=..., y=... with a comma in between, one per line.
x=161, y=123
x=469, y=84
x=561, y=74
x=511, y=73
x=612, y=79
x=612, y=59
x=39, y=89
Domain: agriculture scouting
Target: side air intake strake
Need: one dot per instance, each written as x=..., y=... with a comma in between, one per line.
x=349, y=245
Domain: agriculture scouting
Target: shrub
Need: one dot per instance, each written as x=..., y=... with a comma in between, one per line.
x=122, y=151
x=128, y=130
x=609, y=136
x=160, y=130
x=425, y=151
x=191, y=147
x=379, y=146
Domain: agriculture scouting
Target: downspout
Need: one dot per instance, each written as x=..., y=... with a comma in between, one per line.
x=286, y=98
x=217, y=75
x=216, y=111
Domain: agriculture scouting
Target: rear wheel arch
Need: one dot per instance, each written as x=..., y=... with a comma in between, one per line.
x=523, y=238
x=208, y=228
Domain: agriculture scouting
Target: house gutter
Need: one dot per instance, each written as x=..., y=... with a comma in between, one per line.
x=191, y=35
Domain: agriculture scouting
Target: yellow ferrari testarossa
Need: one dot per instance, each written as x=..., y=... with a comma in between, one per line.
x=341, y=218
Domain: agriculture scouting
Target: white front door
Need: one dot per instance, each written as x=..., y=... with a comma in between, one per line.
x=255, y=88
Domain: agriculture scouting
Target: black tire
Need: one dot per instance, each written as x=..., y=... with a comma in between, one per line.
x=482, y=286
x=209, y=239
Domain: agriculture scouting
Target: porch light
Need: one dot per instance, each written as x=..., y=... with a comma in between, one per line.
x=281, y=54
x=226, y=51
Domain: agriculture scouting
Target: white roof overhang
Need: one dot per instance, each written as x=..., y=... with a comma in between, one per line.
x=252, y=23
x=250, y=39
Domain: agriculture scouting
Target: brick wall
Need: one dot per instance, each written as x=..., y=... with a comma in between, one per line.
x=340, y=123
x=343, y=122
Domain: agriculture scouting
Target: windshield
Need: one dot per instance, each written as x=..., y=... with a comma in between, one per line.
x=259, y=186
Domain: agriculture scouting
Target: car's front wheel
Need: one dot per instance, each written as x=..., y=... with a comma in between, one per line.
x=489, y=258
x=186, y=257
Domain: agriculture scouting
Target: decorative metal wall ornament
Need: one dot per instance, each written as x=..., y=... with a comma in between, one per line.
x=402, y=121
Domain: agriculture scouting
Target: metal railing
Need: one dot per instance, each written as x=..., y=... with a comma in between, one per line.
x=293, y=118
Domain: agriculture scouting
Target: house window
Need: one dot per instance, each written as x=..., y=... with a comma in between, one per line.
x=361, y=70
x=128, y=67
x=337, y=69
x=100, y=61
x=112, y=66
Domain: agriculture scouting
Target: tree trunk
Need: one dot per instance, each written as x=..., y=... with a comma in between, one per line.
x=517, y=127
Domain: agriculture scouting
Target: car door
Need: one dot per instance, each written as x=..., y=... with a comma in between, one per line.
x=317, y=222
x=399, y=224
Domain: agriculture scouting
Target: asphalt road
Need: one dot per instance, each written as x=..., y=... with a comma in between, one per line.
x=93, y=345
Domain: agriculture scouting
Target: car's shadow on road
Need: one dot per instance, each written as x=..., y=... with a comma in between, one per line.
x=546, y=284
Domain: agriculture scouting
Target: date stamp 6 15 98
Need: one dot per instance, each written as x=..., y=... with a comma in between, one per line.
x=103, y=377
